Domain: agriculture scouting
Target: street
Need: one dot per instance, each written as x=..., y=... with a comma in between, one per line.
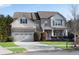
x=50, y=53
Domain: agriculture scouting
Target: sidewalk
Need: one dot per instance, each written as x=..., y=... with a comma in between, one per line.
x=4, y=51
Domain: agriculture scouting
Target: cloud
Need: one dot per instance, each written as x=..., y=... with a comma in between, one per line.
x=4, y=5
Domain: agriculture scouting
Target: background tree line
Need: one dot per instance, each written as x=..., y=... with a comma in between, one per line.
x=70, y=25
x=5, y=28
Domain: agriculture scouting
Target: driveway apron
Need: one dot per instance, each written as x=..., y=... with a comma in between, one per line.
x=4, y=51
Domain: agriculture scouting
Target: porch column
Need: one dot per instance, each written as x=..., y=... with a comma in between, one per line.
x=52, y=33
x=66, y=32
x=43, y=30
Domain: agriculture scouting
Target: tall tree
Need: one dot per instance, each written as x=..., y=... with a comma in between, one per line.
x=69, y=25
x=74, y=13
x=8, y=21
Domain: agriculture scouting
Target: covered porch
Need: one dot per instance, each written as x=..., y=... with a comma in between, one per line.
x=55, y=32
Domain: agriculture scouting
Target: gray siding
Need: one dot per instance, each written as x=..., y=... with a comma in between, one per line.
x=37, y=22
x=46, y=22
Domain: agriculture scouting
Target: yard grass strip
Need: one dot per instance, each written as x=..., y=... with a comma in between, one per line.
x=17, y=50
x=60, y=44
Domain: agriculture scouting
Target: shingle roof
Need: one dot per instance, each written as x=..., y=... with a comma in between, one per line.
x=22, y=14
x=46, y=14
x=34, y=15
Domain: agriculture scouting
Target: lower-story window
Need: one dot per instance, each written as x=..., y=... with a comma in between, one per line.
x=58, y=33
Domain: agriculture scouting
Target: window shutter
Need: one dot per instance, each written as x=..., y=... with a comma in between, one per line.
x=25, y=20
x=20, y=20
x=53, y=23
x=61, y=22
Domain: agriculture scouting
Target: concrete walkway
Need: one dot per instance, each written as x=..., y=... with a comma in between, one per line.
x=4, y=51
x=36, y=46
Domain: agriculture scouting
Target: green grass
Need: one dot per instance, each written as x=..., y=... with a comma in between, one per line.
x=12, y=47
x=17, y=50
x=7, y=44
x=59, y=44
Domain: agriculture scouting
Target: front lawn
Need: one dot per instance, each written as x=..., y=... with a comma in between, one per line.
x=59, y=44
x=7, y=44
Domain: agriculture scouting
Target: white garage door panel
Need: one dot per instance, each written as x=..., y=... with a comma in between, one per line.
x=23, y=36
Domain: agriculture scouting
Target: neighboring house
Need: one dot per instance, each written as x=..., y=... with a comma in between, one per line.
x=26, y=23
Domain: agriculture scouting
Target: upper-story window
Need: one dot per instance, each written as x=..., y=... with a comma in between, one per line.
x=57, y=22
x=23, y=21
x=46, y=23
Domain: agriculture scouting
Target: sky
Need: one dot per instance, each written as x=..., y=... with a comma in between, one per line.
x=9, y=9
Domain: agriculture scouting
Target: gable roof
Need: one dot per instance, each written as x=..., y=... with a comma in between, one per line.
x=46, y=14
x=35, y=15
x=22, y=14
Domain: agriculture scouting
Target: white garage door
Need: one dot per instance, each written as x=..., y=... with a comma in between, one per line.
x=23, y=36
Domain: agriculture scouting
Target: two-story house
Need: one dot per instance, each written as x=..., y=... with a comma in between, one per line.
x=26, y=23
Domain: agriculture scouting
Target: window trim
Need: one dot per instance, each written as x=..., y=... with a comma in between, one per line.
x=57, y=22
x=23, y=21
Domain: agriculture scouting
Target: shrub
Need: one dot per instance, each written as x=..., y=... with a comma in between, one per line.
x=70, y=36
x=37, y=36
x=44, y=36
x=6, y=39
x=59, y=36
x=54, y=38
x=3, y=38
x=9, y=39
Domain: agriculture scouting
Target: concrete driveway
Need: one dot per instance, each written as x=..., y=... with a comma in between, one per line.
x=36, y=46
